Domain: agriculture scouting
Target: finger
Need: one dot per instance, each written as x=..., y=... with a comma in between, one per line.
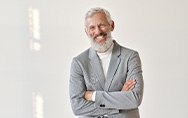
x=125, y=87
x=130, y=85
x=128, y=88
x=130, y=81
x=131, y=88
x=127, y=82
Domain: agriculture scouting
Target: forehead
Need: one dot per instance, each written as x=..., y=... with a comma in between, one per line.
x=96, y=18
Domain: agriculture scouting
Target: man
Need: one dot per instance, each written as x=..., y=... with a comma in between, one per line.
x=105, y=80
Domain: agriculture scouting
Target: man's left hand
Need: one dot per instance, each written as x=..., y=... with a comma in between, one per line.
x=88, y=95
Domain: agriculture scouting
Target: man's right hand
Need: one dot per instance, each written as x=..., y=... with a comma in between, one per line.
x=129, y=85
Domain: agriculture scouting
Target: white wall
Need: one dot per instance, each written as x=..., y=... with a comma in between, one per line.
x=39, y=39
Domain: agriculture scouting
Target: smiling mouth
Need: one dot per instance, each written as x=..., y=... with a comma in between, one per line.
x=101, y=36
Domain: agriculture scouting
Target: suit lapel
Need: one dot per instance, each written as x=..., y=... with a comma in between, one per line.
x=97, y=68
x=113, y=66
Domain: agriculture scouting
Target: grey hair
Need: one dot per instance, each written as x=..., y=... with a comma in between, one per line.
x=95, y=10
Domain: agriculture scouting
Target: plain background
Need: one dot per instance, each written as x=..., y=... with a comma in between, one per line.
x=39, y=38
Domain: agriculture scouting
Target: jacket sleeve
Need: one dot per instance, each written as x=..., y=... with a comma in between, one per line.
x=124, y=100
x=77, y=88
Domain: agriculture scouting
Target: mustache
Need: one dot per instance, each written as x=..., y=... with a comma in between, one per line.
x=101, y=34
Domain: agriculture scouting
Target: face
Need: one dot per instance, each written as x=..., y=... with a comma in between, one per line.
x=99, y=31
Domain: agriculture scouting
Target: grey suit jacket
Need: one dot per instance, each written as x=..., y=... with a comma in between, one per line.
x=87, y=74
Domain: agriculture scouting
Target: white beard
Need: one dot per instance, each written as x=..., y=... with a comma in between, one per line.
x=104, y=47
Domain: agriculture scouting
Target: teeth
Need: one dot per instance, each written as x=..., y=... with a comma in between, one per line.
x=100, y=37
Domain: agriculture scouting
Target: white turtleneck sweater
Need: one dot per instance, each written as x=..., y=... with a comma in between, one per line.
x=104, y=60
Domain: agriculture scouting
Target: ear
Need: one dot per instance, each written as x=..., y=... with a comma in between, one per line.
x=112, y=25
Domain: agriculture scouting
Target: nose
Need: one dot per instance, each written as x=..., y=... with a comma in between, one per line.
x=98, y=30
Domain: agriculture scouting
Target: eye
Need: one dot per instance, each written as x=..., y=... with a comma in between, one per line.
x=103, y=25
x=91, y=28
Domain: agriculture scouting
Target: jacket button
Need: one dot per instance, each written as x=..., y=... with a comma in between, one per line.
x=102, y=105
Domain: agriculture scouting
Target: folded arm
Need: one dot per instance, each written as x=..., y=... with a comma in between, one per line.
x=124, y=99
x=128, y=86
x=130, y=96
x=77, y=88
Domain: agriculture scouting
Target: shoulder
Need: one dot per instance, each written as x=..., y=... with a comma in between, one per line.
x=83, y=56
x=125, y=51
x=129, y=55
